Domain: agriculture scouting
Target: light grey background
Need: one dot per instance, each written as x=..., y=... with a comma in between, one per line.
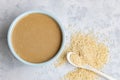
x=99, y=16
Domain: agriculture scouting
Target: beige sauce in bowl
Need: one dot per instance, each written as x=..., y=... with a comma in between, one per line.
x=36, y=38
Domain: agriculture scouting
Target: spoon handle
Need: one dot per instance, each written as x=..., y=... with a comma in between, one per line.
x=99, y=72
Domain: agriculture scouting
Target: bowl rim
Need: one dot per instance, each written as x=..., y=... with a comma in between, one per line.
x=9, y=38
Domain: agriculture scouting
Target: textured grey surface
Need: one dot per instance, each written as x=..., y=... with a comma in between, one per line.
x=99, y=16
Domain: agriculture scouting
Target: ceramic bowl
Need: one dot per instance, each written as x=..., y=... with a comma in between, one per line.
x=9, y=38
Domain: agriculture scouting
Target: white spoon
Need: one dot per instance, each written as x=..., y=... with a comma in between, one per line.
x=88, y=67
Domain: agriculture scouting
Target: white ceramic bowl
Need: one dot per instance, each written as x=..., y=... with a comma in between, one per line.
x=11, y=30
